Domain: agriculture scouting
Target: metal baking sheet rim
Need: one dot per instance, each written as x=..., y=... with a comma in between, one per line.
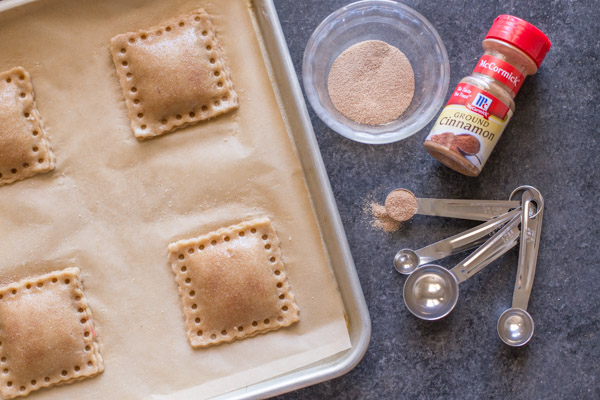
x=359, y=321
x=334, y=235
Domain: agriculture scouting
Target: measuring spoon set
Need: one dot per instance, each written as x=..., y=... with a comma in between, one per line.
x=431, y=291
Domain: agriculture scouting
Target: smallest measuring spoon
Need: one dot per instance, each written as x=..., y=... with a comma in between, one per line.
x=515, y=325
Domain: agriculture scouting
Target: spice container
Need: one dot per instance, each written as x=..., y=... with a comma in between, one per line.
x=478, y=110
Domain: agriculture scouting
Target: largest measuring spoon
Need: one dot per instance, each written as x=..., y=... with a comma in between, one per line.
x=515, y=325
x=431, y=292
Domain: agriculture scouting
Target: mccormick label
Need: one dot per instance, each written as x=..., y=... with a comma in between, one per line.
x=470, y=124
x=479, y=101
x=501, y=71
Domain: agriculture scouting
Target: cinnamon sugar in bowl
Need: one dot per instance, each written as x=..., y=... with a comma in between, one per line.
x=379, y=23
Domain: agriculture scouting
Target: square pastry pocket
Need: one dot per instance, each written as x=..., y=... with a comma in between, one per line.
x=47, y=335
x=24, y=147
x=173, y=75
x=232, y=283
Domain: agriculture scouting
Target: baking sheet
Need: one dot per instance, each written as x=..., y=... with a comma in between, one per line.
x=113, y=204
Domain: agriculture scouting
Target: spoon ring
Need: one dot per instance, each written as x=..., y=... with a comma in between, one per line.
x=539, y=202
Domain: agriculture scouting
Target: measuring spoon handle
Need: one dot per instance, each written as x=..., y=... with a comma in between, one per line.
x=502, y=241
x=531, y=228
x=466, y=240
x=478, y=210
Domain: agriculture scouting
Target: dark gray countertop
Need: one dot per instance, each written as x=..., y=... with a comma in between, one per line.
x=553, y=143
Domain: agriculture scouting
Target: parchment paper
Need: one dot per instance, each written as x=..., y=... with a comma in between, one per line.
x=113, y=204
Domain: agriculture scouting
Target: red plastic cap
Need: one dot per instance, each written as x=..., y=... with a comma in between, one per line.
x=522, y=35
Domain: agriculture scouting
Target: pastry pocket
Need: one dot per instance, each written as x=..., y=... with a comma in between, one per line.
x=232, y=283
x=47, y=334
x=24, y=147
x=173, y=75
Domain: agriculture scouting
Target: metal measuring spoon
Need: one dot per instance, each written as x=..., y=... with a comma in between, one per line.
x=407, y=261
x=431, y=292
x=478, y=210
x=515, y=325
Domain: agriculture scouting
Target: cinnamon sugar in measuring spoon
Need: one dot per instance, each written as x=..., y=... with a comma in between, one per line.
x=371, y=82
x=401, y=205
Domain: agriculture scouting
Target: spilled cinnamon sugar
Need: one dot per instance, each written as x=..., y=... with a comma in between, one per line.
x=382, y=220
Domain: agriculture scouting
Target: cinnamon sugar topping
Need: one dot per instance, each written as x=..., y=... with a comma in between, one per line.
x=371, y=83
x=401, y=204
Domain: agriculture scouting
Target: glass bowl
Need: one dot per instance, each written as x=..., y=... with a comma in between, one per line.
x=397, y=25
